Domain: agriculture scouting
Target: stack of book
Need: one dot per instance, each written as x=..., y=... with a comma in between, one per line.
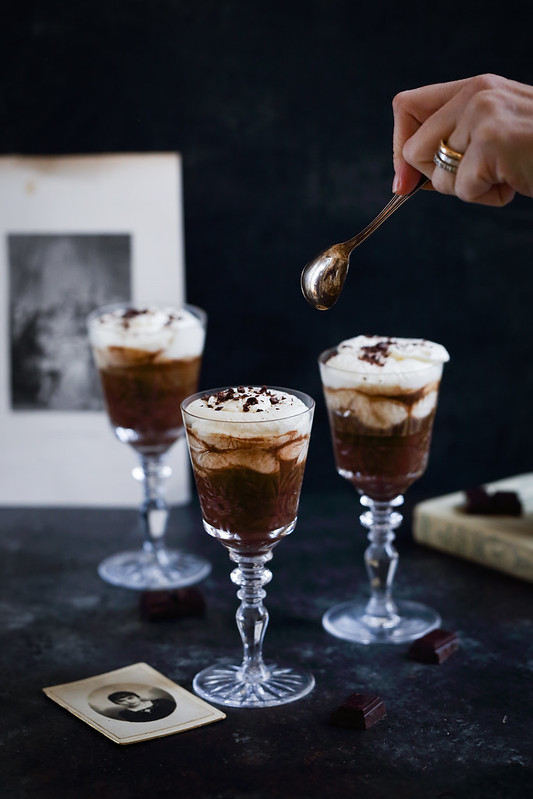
x=498, y=541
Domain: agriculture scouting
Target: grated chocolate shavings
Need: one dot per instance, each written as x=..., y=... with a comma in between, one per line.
x=249, y=396
x=173, y=317
x=220, y=397
x=131, y=313
x=376, y=353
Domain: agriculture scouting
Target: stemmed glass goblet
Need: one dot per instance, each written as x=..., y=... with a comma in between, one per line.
x=149, y=359
x=248, y=448
x=381, y=396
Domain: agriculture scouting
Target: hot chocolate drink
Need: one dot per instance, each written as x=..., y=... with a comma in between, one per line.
x=149, y=361
x=248, y=448
x=381, y=394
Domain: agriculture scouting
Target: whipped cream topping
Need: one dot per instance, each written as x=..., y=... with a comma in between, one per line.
x=388, y=365
x=248, y=412
x=173, y=333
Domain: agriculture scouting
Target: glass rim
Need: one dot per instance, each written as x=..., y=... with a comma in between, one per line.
x=306, y=398
x=325, y=354
x=101, y=310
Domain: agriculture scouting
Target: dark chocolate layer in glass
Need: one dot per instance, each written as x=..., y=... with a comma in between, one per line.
x=381, y=462
x=380, y=466
x=246, y=509
x=143, y=399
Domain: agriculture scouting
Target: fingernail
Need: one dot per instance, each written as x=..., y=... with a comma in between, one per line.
x=395, y=184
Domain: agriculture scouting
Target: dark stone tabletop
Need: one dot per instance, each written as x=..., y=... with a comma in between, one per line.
x=459, y=729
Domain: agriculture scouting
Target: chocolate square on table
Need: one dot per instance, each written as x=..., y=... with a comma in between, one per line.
x=499, y=503
x=434, y=647
x=359, y=711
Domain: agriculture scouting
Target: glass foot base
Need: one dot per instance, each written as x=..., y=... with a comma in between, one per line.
x=142, y=571
x=347, y=621
x=223, y=685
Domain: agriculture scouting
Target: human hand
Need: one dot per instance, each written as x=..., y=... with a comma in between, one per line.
x=487, y=117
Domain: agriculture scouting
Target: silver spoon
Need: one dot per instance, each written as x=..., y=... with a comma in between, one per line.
x=323, y=278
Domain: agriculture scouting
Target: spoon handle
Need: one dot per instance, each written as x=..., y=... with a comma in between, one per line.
x=393, y=204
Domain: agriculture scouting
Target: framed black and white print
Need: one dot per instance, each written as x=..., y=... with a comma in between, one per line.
x=76, y=233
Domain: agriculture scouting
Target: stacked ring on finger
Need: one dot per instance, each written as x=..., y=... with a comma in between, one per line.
x=446, y=158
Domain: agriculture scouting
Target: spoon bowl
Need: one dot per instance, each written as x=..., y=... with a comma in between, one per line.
x=322, y=279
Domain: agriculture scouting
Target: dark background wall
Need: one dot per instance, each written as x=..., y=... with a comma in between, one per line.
x=282, y=112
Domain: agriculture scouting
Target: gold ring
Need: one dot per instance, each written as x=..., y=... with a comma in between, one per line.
x=447, y=152
x=446, y=158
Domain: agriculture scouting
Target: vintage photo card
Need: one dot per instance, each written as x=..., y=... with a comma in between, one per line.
x=76, y=233
x=135, y=703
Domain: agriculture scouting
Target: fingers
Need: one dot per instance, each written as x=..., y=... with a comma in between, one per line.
x=460, y=113
x=475, y=181
x=472, y=180
x=411, y=110
x=466, y=179
x=461, y=123
x=406, y=176
x=487, y=117
x=441, y=125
